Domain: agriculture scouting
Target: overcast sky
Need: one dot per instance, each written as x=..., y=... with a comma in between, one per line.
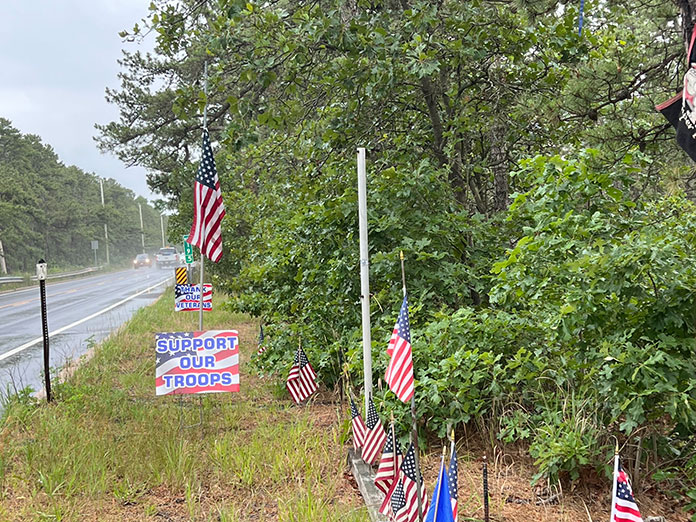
x=56, y=58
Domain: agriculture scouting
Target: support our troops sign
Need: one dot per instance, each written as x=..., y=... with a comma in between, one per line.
x=197, y=362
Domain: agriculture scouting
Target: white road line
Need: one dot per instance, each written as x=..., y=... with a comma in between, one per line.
x=60, y=330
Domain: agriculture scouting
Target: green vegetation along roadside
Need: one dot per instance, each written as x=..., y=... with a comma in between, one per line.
x=107, y=449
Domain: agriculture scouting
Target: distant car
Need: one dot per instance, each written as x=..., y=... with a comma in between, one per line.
x=142, y=260
x=167, y=256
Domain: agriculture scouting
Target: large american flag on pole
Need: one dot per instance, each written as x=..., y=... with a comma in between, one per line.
x=208, y=208
x=405, y=497
x=197, y=362
x=624, y=507
x=302, y=381
x=374, y=436
x=399, y=375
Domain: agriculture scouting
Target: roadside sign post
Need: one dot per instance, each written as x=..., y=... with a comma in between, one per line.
x=188, y=256
x=41, y=271
x=95, y=246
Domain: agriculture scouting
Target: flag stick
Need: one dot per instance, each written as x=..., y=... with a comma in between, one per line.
x=395, y=457
x=613, y=487
x=439, y=482
x=485, y=490
x=205, y=127
x=414, y=433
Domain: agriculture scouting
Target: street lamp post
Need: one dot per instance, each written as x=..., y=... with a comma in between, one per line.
x=162, y=227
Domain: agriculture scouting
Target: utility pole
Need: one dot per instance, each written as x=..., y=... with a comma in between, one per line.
x=106, y=230
x=162, y=227
x=3, y=266
x=142, y=231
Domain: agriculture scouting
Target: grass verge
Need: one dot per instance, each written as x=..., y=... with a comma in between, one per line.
x=108, y=449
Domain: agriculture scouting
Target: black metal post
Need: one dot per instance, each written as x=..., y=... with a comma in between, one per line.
x=485, y=490
x=41, y=276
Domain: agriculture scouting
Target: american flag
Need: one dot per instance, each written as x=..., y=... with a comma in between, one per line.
x=453, y=476
x=262, y=345
x=624, y=505
x=302, y=381
x=399, y=374
x=197, y=362
x=374, y=436
x=359, y=428
x=399, y=513
x=406, y=510
x=208, y=211
x=188, y=297
x=388, y=468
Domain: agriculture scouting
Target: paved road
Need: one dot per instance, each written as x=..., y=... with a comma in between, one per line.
x=68, y=302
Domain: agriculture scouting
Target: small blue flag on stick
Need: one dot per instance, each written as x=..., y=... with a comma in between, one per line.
x=441, y=505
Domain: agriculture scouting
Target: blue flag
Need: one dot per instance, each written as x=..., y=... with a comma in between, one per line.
x=441, y=505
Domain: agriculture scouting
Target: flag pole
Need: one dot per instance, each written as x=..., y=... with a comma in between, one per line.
x=414, y=432
x=205, y=128
x=613, y=487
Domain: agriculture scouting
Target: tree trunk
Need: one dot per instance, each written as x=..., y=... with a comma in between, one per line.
x=499, y=165
x=687, y=9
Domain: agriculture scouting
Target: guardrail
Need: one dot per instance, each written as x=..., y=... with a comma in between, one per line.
x=11, y=280
x=14, y=279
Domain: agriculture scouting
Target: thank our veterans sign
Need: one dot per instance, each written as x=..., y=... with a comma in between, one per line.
x=188, y=298
x=197, y=362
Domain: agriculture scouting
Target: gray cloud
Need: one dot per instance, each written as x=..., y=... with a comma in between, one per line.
x=56, y=59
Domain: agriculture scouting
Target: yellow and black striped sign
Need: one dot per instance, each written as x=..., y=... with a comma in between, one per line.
x=180, y=275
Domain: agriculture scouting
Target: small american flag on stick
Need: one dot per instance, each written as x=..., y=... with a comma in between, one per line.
x=302, y=381
x=388, y=469
x=453, y=476
x=375, y=435
x=399, y=375
x=208, y=208
x=359, y=428
x=262, y=345
x=623, y=505
x=405, y=497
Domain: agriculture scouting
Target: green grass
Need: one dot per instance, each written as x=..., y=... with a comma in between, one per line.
x=108, y=449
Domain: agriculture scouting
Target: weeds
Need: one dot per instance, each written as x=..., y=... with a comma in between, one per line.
x=107, y=444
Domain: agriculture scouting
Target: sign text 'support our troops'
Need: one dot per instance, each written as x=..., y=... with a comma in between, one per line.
x=197, y=362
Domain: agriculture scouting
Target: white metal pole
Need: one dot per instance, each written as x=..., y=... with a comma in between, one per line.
x=364, y=276
x=613, y=487
x=106, y=229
